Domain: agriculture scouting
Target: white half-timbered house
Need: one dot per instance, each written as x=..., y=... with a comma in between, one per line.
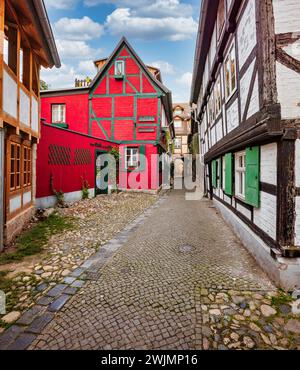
x=246, y=96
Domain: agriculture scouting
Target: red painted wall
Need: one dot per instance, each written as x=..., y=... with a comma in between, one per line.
x=120, y=104
x=66, y=177
x=147, y=179
x=77, y=110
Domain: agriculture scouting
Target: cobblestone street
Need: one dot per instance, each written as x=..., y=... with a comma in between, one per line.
x=184, y=284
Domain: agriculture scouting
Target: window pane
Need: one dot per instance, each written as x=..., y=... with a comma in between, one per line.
x=12, y=151
x=12, y=181
x=5, y=51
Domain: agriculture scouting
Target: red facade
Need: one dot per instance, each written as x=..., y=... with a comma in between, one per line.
x=130, y=110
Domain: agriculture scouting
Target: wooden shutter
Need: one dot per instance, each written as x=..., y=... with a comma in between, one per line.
x=253, y=176
x=214, y=173
x=142, y=158
x=228, y=174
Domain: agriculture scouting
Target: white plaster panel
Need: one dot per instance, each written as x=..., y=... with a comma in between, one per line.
x=35, y=115
x=219, y=130
x=15, y=203
x=24, y=108
x=233, y=116
x=243, y=210
x=246, y=33
x=27, y=197
x=288, y=85
x=10, y=93
x=268, y=163
x=265, y=216
x=245, y=86
x=254, y=102
x=286, y=14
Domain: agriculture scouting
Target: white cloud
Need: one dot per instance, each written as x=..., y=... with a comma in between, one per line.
x=185, y=79
x=78, y=29
x=77, y=50
x=87, y=68
x=59, y=78
x=157, y=8
x=122, y=21
x=61, y=4
x=165, y=67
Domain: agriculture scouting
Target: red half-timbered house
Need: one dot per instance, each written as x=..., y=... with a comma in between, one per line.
x=127, y=106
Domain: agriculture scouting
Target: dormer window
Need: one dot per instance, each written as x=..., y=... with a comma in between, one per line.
x=119, y=69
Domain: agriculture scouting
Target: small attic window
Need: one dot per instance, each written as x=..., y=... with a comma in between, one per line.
x=119, y=69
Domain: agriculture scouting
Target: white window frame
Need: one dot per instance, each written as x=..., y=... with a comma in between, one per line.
x=230, y=57
x=119, y=72
x=61, y=113
x=240, y=175
x=132, y=157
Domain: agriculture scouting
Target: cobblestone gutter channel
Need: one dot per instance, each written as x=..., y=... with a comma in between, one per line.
x=20, y=335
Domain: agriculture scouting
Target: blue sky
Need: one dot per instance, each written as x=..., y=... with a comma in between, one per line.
x=163, y=33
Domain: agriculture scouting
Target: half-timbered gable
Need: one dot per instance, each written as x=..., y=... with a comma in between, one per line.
x=126, y=99
x=246, y=88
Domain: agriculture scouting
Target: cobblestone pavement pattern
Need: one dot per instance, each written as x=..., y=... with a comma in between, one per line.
x=181, y=281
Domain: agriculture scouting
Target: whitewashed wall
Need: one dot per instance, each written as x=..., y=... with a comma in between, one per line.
x=268, y=164
x=35, y=115
x=24, y=108
x=297, y=165
x=265, y=216
x=10, y=92
x=287, y=19
x=286, y=14
x=233, y=116
x=246, y=33
x=288, y=84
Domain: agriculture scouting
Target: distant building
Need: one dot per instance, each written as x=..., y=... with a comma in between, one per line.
x=182, y=127
x=26, y=45
x=246, y=99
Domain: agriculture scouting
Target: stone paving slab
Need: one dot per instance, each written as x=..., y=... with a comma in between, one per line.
x=173, y=282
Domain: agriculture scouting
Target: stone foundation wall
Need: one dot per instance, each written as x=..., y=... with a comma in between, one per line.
x=14, y=227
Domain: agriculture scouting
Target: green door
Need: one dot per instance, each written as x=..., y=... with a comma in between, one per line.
x=101, y=173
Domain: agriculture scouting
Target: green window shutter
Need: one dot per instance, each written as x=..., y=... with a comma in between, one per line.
x=228, y=174
x=142, y=166
x=214, y=173
x=253, y=176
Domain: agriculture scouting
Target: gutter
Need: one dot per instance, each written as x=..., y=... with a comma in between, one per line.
x=41, y=20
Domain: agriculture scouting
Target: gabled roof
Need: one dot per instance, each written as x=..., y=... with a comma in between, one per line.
x=167, y=99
